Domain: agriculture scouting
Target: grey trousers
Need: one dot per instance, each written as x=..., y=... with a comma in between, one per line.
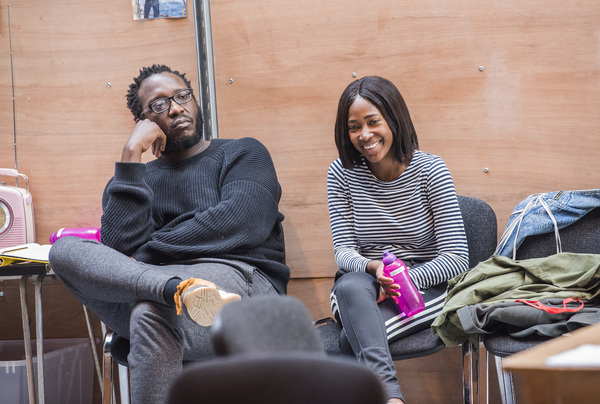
x=364, y=327
x=368, y=327
x=128, y=297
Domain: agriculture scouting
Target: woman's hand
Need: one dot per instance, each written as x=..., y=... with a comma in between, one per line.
x=387, y=286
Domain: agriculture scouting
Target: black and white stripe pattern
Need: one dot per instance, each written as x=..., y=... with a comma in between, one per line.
x=397, y=324
x=416, y=217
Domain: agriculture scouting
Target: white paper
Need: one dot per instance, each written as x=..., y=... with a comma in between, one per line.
x=26, y=252
x=584, y=356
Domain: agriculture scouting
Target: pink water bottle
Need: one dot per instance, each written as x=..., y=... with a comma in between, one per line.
x=410, y=300
x=90, y=233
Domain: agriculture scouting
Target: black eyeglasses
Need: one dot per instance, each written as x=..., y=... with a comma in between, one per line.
x=162, y=104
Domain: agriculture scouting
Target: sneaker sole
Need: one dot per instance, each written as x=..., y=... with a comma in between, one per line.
x=203, y=303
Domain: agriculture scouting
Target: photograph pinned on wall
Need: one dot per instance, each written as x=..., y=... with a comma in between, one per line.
x=149, y=9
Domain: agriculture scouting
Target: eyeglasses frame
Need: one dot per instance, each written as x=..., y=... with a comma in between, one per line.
x=171, y=99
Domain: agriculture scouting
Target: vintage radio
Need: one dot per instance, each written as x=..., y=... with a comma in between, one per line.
x=17, y=225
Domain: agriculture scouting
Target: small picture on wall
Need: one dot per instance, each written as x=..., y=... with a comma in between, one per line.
x=149, y=9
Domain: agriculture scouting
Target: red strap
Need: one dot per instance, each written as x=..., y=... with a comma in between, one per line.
x=553, y=310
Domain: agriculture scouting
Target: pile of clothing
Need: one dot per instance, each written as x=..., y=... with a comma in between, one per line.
x=547, y=296
x=484, y=299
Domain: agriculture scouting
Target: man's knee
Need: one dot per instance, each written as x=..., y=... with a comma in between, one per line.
x=65, y=253
x=67, y=247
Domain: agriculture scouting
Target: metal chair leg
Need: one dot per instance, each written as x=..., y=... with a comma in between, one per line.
x=124, y=383
x=27, y=339
x=92, y=338
x=107, y=370
x=466, y=371
x=485, y=390
x=505, y=381
x=470, y=372
x=39, y=337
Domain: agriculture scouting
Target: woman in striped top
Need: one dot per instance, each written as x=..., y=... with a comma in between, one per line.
x=385, y=194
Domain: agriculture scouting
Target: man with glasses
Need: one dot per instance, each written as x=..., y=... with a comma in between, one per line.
x=186, y=233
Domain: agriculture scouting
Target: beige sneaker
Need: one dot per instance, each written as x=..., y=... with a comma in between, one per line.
x=199, y=300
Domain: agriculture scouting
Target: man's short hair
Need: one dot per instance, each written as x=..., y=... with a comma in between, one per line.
x=133, y=100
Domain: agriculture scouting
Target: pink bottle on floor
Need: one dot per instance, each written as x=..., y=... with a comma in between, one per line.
x=410, y=300
x=90, y=233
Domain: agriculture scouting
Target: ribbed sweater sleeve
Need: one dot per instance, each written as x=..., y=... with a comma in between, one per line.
x=127, y=209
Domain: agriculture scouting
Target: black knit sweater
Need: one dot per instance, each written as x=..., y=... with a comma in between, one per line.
x=221, y=203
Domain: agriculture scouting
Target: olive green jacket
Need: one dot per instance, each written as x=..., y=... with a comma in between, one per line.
x=501, y=279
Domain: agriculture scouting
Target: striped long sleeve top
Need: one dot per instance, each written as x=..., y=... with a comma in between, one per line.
x=416, y=217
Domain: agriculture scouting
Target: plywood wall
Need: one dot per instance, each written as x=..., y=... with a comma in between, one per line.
x=504, y=85
x=73, y=62
x=508, y=86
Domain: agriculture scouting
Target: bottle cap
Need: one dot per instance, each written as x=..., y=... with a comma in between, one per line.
x=388, y=257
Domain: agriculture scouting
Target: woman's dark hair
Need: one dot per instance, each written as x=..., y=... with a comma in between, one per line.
x=384, y=95
x=133, y=100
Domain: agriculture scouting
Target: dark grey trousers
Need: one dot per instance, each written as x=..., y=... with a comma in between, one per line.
x=128, y=297
x=368, y=327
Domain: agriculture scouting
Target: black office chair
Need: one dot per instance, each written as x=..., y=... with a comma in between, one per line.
x=269, y=352
x=482, y=235
x=262, y=324
x=583, y=236
x=265, y=330
x=291, y=378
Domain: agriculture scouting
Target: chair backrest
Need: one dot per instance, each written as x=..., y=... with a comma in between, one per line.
x=292, y=378
x=481, y=227
x=265, y=324
x=270, y=352
x=583, y=236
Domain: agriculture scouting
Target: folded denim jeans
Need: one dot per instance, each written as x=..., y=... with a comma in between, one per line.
x=544, y=213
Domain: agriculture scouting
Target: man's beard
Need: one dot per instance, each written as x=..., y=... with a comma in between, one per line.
x=173, y=146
